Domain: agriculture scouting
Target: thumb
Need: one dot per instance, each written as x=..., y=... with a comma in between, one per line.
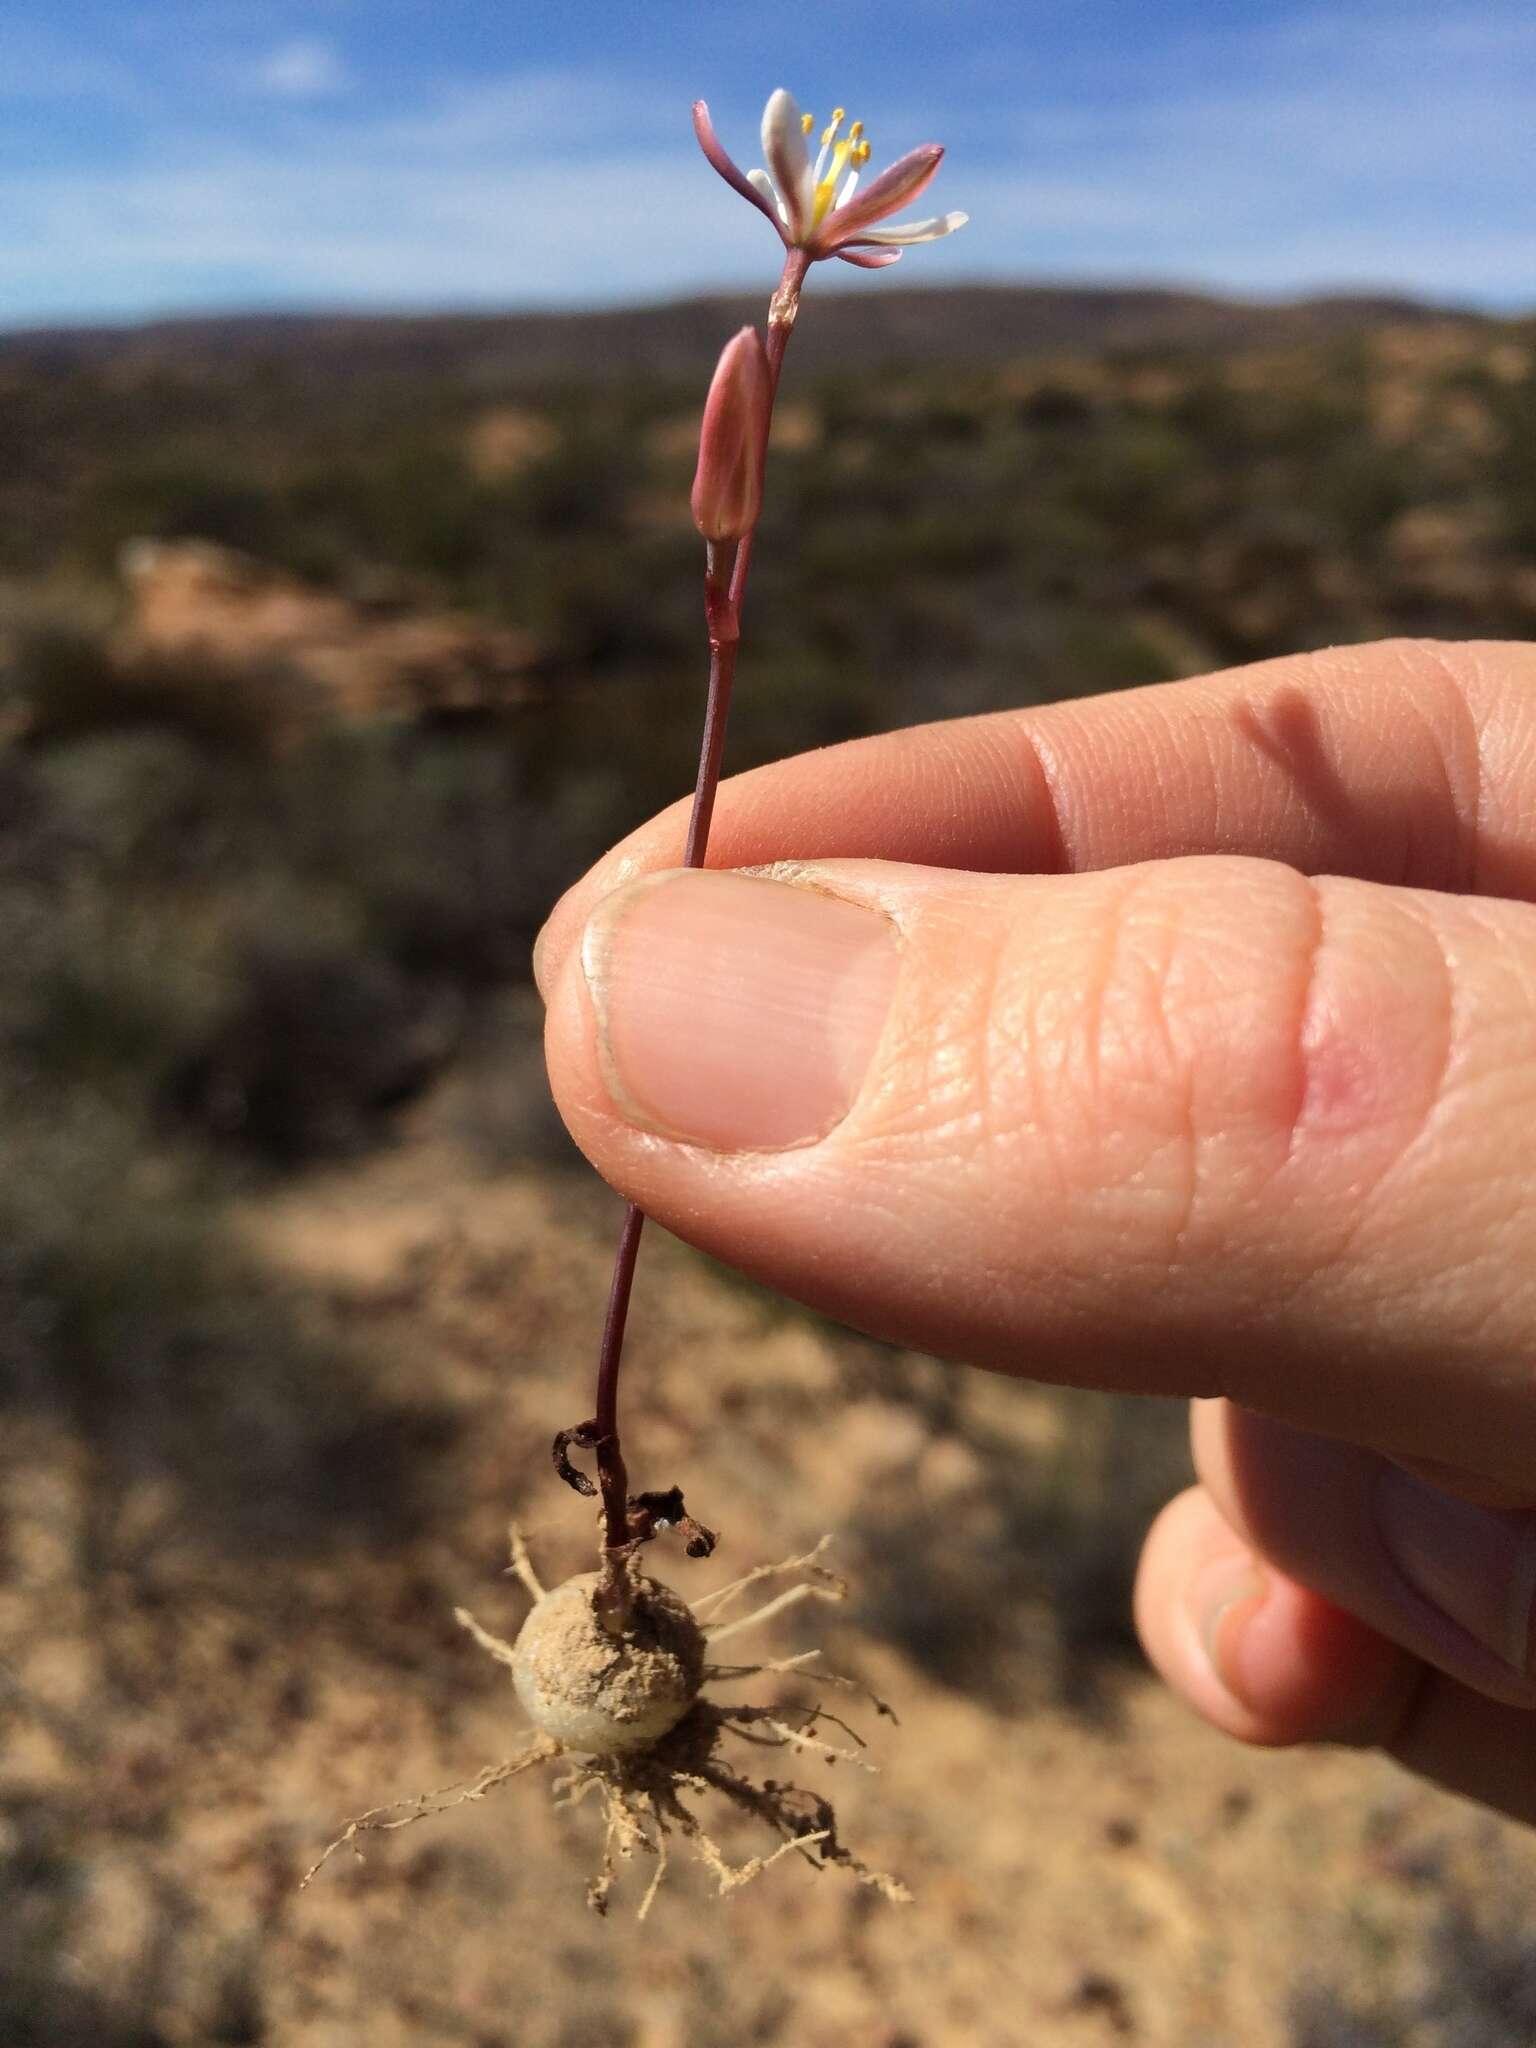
x=1192, y=1126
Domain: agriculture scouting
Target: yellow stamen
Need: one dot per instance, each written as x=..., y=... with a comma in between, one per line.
x=855, y=131
x=807, y=123
x=826, y=189
x=829, y=132
x=861, y=154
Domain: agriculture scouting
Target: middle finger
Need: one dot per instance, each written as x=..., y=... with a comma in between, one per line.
x=1452, y=1582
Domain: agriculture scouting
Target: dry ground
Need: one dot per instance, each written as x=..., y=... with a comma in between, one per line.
x=200, y=1686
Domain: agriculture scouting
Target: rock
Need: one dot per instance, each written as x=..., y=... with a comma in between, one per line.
x=193, y=602
x=507, y=440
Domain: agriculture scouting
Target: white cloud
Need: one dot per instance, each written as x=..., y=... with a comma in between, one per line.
x=545, y=187
x=302, y=70
x=349, y=227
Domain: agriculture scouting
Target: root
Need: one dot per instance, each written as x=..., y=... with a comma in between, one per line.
x=712, y=1603
x=720, y=1674
x=663, y=1859
x=648, y=1795
x=426, y=1805
x=731, y=1877
x=492, y=1645
x=780, y=1603
x=521, y=1566
x=782, y=1736
x=796, y=1814
x=642, y=1817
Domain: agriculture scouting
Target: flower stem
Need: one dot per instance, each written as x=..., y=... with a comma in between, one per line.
x=725, y=582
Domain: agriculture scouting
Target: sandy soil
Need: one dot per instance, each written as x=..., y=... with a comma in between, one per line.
x=199, y=1688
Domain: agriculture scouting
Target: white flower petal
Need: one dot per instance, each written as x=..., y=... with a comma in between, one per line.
x=789, y=162
x=761, y=182
x=906, y=232
x=782, y=128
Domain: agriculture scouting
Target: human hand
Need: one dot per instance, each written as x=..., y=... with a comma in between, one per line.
x=1181, y=1041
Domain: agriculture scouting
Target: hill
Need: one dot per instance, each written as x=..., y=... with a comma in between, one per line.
x=973, y=323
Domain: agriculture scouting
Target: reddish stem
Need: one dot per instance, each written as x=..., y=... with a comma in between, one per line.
x=725, y=582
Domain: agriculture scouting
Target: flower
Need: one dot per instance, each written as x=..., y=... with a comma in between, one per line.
x=728, y=488
x=812, y=205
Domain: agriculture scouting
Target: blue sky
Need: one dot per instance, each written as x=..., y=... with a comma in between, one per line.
x=164, y=156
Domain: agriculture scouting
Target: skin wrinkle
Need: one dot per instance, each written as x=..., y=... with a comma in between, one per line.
x=930, y=1074
x=1465, y=792
x=1306, y=1016
x=1435, y=1103
x=1508, y=761
x=1033, y=1125
x=1037, y=1132
x=1047, y=1054
x=1448, y=1022
x=1247, y=718
x=1125, y=1006
x=1399, y=1293
x=974, y=1022
x=1089, y=1031
x=1290, y=1128
x=1178, y=1094
x=988, y=1008
x=1176, y=773
x=1042, y=765
x=1341, y=1257
x=1211, y=765
x=1443, y=813
x=1014, y=795
x=1322, y=890
x=1262, y=1146
x=948, y=774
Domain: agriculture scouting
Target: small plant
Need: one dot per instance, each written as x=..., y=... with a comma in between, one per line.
x=816, y=214
x=610, y=1665
x=622, y=1707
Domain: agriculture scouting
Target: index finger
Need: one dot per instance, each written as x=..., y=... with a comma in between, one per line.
x=1404, y=761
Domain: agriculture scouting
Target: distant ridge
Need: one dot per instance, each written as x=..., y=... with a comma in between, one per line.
x=966, y=324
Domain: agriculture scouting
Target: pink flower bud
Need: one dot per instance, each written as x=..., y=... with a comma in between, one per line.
x=728, y=488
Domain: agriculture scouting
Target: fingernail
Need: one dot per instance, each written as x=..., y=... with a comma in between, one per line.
x=1476, y=1565
x=541, y=960
x=1226, y=1588
x=736, y=1012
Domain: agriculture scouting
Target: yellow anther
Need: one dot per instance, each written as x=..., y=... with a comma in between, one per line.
x=855, y=131
x=839, y=114
x=861, y=153
x=826, y=189
x=807, y=123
